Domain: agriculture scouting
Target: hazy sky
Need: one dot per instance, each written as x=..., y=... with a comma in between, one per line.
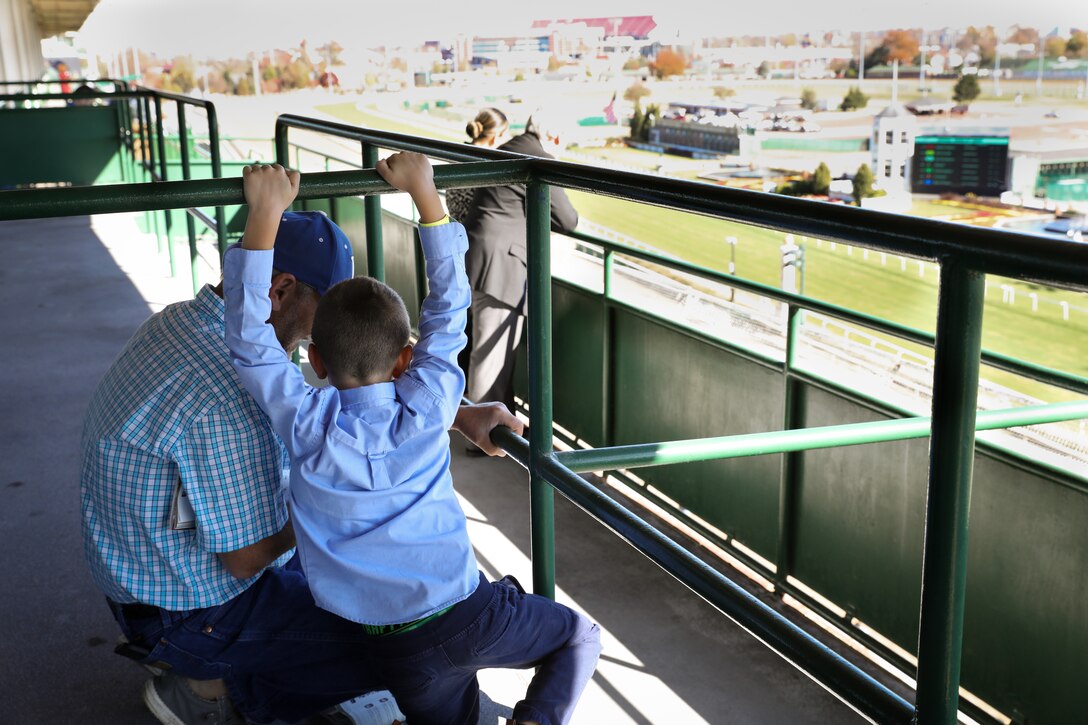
x=217, y=27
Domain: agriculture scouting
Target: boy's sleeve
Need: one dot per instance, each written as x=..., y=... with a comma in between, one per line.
x=264, y=368
x=443, y=316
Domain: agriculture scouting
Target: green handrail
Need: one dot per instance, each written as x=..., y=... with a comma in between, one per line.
x=115, y=198
x=804, y=439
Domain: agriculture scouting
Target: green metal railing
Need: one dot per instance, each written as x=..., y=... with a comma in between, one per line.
x=965, y=254
x=147, y=149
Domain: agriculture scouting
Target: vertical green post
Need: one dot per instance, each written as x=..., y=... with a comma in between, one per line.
x=186, y=173
x=282, y=149
x=607, y=340
x=148, y=151
x=419, y=264
x=372, y=206
x=124, y=127
x=217, y=172
x=951, y=459
x=334, y=202
x=541, y=496
x=792, y=463
x=161, y=143
x=145, y=137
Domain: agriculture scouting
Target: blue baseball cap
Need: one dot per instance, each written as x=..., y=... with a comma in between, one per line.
x=310, y=246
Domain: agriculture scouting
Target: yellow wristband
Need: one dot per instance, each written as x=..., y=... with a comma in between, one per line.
x=440, y=222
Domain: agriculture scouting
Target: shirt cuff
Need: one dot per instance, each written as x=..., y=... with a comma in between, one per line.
x=445, y=239
x=251, y=267
x=440, y=222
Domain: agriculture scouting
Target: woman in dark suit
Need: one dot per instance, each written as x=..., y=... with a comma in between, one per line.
x=496, y=262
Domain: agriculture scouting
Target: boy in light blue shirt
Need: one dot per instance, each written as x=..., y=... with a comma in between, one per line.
x=380, y=533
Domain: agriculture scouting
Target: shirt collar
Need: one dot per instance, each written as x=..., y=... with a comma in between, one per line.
x=209, y=303
x=367, y=396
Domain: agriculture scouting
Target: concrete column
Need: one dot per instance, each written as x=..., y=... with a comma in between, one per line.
x=20, y=42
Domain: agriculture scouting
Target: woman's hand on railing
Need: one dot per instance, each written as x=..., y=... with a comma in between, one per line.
x=475, y=422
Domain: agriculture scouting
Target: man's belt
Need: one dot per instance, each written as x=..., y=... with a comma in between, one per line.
x=381, y=630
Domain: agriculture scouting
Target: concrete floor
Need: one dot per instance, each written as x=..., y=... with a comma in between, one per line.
x=69, y=306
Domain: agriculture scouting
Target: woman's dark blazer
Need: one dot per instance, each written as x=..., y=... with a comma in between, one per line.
x=496, y=258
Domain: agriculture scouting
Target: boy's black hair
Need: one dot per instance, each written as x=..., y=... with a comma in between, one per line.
x=360, y=327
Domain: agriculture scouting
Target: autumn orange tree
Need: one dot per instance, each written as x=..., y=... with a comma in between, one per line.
x=902, y=46
x=669, y=63
x=897, y=46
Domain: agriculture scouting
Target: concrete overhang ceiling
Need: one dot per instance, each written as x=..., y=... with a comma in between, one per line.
x=61, y=16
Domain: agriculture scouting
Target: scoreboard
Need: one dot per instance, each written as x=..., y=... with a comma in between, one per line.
x=960, y=164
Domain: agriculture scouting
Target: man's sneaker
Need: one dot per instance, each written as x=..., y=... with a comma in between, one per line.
x=373, y=708
x=170, y=699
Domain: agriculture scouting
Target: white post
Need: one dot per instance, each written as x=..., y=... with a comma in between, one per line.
x=790, y=263
x=1042, y=62
x=1065, y=310
x=902, y=264
x=861, y=58
x=921, y=268
x=922, y=67
x=895, y=82
x=1034, y=301
x=256, y=76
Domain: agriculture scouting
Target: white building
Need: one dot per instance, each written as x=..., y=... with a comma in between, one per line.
x=891, y=149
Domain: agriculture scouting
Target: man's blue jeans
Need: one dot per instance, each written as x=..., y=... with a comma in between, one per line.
x=432, y=670
x=281, y=656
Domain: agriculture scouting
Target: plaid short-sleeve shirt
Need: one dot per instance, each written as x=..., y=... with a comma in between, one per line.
x=171, y=409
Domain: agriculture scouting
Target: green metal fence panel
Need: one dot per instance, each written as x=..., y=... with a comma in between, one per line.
x=671, y=385
x=401, y=257
x=79, y=145
x=859, y=522
x=581, y=334
x=1026, y=620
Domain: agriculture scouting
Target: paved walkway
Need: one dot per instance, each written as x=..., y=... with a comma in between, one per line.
x=69, y=305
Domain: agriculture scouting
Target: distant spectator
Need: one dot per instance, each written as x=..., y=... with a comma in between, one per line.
x=489, y=129
x=496, y=264
x=64, y=75
x=85, y=95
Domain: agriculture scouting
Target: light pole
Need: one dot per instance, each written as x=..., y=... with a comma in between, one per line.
x=1042, y=62
x=922, y=67
x=861, y=58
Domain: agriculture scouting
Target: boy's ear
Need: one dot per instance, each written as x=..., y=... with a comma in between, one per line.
x=404, y=359
x=283, y=284
x=316, y=362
